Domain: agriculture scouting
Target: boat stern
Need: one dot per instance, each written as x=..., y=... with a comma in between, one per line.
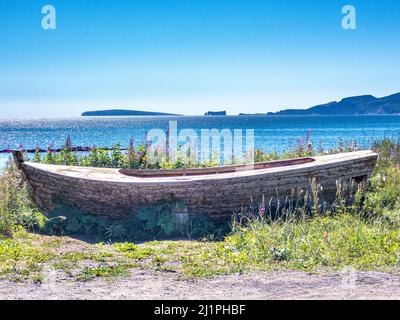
x=18, y=157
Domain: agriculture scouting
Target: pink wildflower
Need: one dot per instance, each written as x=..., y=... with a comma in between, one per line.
x=309, y=134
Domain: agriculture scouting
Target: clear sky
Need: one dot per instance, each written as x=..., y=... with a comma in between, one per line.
x=190, y=56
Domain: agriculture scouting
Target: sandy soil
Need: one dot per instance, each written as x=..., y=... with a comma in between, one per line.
x=156, y=285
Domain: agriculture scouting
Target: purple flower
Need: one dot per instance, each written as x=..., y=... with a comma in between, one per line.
x=8, y=150
x=261, y=210
x=132, y=143
x=394, y=153
x=20, y=146
x=309, y=134
x=299, y=141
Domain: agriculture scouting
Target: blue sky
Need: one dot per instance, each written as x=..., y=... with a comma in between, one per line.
x=190, y=56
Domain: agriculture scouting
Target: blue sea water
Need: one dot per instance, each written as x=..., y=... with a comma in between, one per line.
x=270, y=132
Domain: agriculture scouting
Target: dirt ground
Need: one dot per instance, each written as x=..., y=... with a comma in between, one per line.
x=149, y=285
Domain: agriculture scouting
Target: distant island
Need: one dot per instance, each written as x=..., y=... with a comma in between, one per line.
x=118, y=112
x=359, y=105
x=215, y=113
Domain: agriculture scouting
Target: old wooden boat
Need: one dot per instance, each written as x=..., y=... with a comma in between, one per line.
x=215, y=192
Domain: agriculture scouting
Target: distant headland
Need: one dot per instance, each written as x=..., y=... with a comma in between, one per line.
x=359, y=105
x=120, y=112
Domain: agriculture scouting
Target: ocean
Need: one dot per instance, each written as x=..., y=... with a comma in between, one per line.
x=270, y=132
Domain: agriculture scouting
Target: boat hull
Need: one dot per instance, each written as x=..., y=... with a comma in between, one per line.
x=115, y=193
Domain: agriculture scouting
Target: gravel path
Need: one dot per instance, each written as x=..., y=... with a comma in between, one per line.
x=272, y=285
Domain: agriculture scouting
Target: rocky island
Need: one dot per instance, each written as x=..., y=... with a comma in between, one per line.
x=215, y=113
x=121, y=112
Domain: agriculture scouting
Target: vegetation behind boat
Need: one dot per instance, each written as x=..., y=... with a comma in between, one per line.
x=137, y=157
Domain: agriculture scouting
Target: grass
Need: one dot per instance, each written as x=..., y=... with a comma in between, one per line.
x=364, y=235
x=89, y=273
x=334, y=242
x=21, y=258
x=331, y=243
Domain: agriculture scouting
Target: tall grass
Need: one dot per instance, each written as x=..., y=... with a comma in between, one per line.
x=16, y=207
x=322, y=241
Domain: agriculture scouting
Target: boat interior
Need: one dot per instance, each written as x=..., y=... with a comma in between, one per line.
x=213, y=170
